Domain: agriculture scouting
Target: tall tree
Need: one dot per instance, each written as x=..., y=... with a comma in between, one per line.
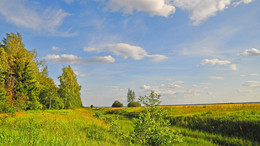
x=3, y=68
x=21, y=85
x=70, y=89
x=130, y=96
x=49, y=96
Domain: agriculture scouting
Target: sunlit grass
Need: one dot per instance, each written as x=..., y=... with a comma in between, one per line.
x=63, y=127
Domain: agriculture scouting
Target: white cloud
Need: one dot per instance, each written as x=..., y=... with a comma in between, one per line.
x=55, y=48
x=216, y=78
x=233, y=67
x=79, y=74
x=251, y=52
x=42, y=20
x=157, y=58
x=127, y=50
x=153, y=7
x=173, y=85
x=65, y=58
x=201, y=10
x=252, y=84
x=241, y=1
x=72, y=59
x=215, y=62
x=102, y=59
x=146, y=87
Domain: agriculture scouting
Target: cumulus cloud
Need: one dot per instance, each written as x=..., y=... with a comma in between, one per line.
x=251, y=52
x=216, y=78
x=157, y=58
x=241, y=1
x=72, y=59
x=146, y=87
x=233, y=67
x=252, y=84
x=102, y=59
x=42, y=20
x=153, y=7
x=126, y=51
x=215, y=62
x=201, y=10
x=55, y=48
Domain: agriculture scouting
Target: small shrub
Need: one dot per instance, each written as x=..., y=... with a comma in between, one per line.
x=92, y=106
x=117, y=104
x=134, y=104
x=152, y=129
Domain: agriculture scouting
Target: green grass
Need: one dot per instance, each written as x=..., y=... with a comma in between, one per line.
x=63, y=127
x=200, y=125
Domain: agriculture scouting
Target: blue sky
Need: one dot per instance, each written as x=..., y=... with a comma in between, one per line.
x=189, y=51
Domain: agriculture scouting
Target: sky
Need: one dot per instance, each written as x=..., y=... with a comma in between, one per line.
x=188, y=51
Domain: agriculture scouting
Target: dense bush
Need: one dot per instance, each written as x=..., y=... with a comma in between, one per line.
x=134, y=104
x=117, y=104
x=152, y=129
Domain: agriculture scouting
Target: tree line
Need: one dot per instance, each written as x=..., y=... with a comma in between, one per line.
x=25, y=83
x=153, y=98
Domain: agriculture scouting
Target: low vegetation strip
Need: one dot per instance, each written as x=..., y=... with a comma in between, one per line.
x=55, y=127
x=235, y=124
x=227, y=126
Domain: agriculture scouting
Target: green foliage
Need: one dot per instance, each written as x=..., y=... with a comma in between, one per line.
x=152, y=100
x=24, y=81
x=49, y=95
x=19, y=72
x=70, y=89
x=92, y=106
x=152, y=129
x=117, y=104
x=133, y=104
x=130, y=96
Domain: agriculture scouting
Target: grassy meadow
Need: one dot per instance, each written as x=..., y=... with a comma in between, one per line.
x=221, y=124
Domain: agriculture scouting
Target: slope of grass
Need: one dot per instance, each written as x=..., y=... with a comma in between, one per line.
x=236, y=124
x=63, y=127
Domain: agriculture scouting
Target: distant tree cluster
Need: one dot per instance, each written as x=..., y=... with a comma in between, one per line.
x=117, y=104
x=25, y=84
x=131, y=99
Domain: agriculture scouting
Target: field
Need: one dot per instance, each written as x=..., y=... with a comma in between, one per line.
x=222, y=124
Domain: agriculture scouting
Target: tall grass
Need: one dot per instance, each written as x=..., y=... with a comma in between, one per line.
x=64, y=127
